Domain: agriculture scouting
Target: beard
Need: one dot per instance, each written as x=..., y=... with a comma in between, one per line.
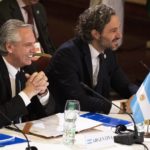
x=107, y=44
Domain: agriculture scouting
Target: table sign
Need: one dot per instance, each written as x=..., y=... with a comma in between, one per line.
x=100, y=140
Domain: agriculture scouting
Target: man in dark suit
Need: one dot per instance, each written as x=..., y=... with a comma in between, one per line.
x=77, y=60
x=21, y=97
x=14, y=9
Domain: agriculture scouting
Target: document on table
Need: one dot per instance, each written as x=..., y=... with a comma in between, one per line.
x=52, y=126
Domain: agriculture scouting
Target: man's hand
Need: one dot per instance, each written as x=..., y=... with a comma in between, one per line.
x=36, y=84
x=125, y=105
x=128, y=108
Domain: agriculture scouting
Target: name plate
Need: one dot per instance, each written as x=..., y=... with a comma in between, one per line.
x=100, y=140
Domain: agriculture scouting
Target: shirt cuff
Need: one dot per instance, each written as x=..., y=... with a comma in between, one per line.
x=25, y=98
x=44, y=99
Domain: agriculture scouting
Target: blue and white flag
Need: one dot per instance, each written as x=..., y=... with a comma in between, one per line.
x=140, y=104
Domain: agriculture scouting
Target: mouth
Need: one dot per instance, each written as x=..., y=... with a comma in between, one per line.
x=116, y=42
x=30, y=56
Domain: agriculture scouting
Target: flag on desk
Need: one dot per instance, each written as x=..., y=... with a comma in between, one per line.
x=140, y=104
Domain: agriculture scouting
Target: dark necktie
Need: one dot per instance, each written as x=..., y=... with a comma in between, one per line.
x=18, y=82
x=28, y=9
x=101, y=72
x=19, y=86
x=18, y=89
x=101, y=65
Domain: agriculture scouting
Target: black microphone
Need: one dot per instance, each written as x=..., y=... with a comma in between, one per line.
x=122, y=138
x=28, y=144
x=144, y=65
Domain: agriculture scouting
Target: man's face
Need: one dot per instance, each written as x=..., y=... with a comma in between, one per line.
x=111, y=34
x=21, y=52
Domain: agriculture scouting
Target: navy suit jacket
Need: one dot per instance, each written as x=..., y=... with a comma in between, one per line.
x=71, y=65
x=9, y=9
x=14, y=107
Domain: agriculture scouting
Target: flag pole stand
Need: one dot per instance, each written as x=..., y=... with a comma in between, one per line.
x=147, y=134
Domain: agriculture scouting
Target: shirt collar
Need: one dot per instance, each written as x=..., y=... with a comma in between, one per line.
x=11, y=69
x=94, y=52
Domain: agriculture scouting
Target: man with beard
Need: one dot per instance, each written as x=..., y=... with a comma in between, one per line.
x=89, y=58
x=31, y=12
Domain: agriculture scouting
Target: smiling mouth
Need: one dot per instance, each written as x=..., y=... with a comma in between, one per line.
x=30, y=56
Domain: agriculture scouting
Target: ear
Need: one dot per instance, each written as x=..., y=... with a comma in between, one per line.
x=9, y=47
x=95, y=34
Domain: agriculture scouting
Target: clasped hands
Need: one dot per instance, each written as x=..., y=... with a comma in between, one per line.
x=36, y=84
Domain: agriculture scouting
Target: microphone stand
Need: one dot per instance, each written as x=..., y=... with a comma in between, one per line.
x=28, y=144
x=126, y=138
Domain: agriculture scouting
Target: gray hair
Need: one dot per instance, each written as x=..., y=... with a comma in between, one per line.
x=95, y=17
x=9, y=33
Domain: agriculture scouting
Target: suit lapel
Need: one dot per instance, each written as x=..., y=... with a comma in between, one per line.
x=83, y=48
x=5, y=75
x=36, y=11
x=37, y=17
x=88, y=61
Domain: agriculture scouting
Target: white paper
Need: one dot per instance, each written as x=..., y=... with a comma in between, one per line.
x=52, y=126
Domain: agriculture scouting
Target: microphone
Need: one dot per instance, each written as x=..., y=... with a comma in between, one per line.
x=144, y=65
x=122, y=138
x=28, y=144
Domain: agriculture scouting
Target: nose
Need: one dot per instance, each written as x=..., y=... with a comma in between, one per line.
x=119, y=34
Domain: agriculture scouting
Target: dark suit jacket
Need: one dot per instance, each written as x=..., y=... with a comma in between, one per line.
x=13, y=108
x=9, y=9
x=71, y=65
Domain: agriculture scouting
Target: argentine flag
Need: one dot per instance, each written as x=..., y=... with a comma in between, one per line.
x=140, y=104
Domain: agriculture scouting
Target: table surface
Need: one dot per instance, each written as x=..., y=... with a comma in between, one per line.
x=57, y=142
